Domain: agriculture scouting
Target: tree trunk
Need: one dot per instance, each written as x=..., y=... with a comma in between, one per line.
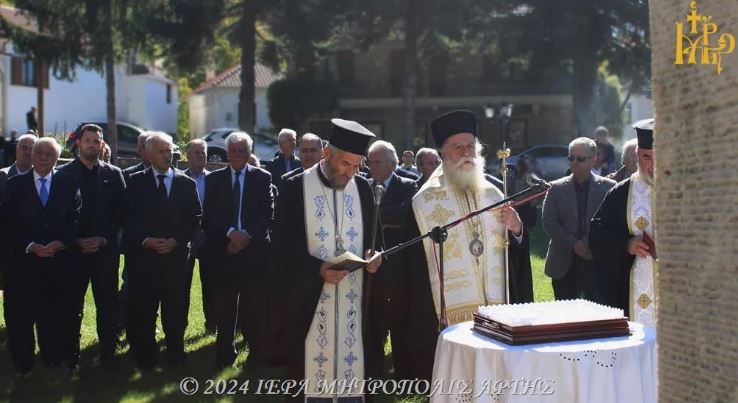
x=411, y=73
x=585, y=79
x=110, y=82
x=40, y=84
x=246, y=106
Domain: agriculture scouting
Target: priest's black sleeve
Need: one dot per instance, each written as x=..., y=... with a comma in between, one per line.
x=608, y=241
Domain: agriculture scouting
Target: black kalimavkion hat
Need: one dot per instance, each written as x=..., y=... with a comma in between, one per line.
x=350, y=136
x=455, y=122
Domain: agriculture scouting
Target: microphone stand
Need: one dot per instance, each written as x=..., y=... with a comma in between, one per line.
x=377, y=192
x=439, y=234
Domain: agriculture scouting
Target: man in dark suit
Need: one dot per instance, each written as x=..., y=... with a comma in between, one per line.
x=124, y=300
x=310, y=152
x=239, y=209
x=427, y=160
x=390, y=286
x=285, y=161
x=42, y=208
x=145, y=163
x=21, y=166
x=22, y=163
x=197, y=158
x=96, y=250
x=567, y=210
x=162, y=213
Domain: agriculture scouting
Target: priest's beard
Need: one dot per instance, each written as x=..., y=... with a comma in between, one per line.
x=337, y=182
x=466, y=174
x=646, y=177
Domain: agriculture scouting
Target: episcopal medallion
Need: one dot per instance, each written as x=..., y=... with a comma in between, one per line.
x=476, y=247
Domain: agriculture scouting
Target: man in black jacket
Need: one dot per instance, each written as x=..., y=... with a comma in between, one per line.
x=388, y=313
x=239, y=208
x=124, y=300
x=42, y=208
x=162, y=213
x=285, y=161
x=96, y=250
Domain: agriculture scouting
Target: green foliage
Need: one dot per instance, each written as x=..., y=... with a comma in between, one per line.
x=608, y=103
x=183, y=110
x=292, y=101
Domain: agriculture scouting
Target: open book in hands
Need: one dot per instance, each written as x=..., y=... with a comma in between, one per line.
x=347, y=261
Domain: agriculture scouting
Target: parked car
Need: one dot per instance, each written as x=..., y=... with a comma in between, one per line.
x=127, y=139
x=265, y=146
x=548, y=161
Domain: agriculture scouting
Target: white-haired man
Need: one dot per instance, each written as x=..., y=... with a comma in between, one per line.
x=392, y=285
x=427, y=160
x=162, y=213
x=239, y=209
x=474, y=253
x=621, y=238
x=285, y=160
x=567, y=210
x=42, y=208
x=629, y=159
x=322, y=213
x=197, y=158
x=22, y=162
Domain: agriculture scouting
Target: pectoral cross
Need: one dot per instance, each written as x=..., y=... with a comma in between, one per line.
x=339, y=244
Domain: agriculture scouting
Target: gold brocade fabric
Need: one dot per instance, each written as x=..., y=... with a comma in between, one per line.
x=469, y=281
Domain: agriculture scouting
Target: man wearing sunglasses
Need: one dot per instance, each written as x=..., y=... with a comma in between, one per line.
x=622, y=237
x=569, y=206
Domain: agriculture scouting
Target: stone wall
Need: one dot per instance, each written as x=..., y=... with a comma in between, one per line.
x=696, y=210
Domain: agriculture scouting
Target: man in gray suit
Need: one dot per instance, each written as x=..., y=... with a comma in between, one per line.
x=567, y=211
x=197, y=158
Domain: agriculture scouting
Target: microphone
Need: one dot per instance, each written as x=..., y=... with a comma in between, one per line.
x=533, y=180
x=378, y=191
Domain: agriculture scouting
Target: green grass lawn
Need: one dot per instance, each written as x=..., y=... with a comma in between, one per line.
x=93, y=384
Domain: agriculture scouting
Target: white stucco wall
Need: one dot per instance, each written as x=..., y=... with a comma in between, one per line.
x=218, y=107
x=140, y=100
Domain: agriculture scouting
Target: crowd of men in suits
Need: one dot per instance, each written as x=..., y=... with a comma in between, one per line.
x=72, y=223
x=77, y=219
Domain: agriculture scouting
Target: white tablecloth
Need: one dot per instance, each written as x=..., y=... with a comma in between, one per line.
x=473, y=368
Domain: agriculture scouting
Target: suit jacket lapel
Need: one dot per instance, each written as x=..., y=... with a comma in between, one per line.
x=571, y=197
x=594, y=193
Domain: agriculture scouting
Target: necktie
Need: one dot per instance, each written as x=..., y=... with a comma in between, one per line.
x=237, y=201
x=43, y=193
x=162, y=189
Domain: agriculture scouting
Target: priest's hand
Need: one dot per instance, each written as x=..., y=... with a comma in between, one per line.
x=374, y=261
x=638, y=248
x=331, y=276
x=510, y=218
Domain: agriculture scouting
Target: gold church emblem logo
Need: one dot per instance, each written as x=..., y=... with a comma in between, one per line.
x=700, y=37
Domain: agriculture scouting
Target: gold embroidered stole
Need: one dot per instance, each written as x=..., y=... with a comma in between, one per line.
x=643, y=273
x=469, y=281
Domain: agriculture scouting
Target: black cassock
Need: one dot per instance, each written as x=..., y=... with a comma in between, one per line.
x=608, y=241
x=303, y=281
